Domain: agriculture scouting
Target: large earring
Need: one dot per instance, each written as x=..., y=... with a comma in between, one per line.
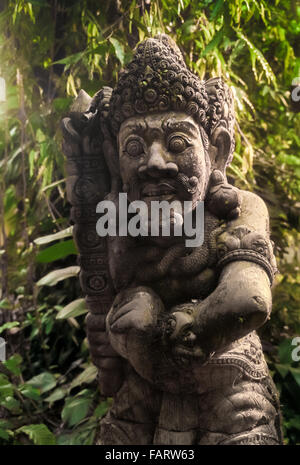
x=223, y=199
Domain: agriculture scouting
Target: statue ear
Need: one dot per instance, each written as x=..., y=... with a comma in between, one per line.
x=221, y=140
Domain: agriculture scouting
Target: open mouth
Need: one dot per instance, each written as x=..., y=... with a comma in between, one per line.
x=158, y=191
x=190, y=352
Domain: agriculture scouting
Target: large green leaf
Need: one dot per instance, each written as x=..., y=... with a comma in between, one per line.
x=13, y=364
x=6, y=388
x=30, y=392
x=75, y=409
x=57, y=394
x=57, y=251
x=44, y=382
x=73, y=309
x=87, y=376
x=69, y=60
x=119, y=49
x=4, y=303
x=81, y=436
x=39, y=434
x=9, y=325
x=4, y=434
x=55, y=276
x=11, y=404
x=68, y=232
x=102, y=409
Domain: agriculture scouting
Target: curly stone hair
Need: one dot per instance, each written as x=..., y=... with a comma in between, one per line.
x=157, y=79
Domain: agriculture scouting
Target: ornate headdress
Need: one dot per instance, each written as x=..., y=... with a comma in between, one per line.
x=157, y=79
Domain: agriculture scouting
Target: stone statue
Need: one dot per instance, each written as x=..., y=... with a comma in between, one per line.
x=172, y=328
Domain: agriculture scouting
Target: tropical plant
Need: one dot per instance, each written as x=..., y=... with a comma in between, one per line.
x=49, y=50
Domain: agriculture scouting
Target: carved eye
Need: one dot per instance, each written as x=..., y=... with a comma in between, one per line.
x=177, y=144
x=134, y=148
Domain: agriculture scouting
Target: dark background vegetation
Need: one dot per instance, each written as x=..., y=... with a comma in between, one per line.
x=51, y=49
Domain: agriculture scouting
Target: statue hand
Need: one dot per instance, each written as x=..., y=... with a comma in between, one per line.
x=180, y=332
x=135, y=308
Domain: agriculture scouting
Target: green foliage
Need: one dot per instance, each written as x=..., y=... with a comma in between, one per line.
x=9, y=325
x=52, y=278
x=49, y=51
x=73, y=309
x=286, y=374
x=56, y=252
x=69, y=413
x=39, y=434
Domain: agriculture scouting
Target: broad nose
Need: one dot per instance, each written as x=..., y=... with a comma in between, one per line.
x=156, y=160
x=157, y=165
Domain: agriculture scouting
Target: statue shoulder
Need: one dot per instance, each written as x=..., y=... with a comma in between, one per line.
x=248, y=237
x=254, y=214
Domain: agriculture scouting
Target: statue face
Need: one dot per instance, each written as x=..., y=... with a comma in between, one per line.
x=162, y=157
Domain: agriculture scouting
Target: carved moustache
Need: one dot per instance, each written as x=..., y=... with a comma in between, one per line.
x=181, y=184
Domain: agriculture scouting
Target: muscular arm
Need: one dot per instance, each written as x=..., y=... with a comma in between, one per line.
x=242, y=301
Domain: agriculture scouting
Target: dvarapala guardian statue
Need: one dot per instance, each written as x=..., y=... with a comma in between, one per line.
x=172, y=328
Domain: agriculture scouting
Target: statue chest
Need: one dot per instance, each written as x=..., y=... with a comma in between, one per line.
x=176, y=273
